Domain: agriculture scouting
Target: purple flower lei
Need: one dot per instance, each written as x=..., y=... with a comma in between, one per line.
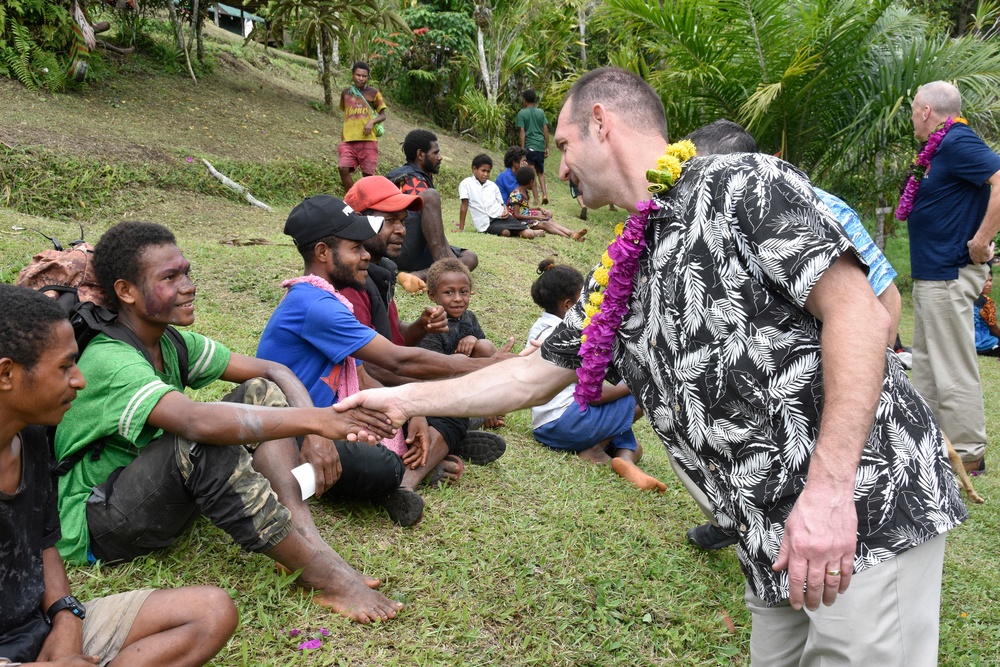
x=598, y=336
x=919, y=169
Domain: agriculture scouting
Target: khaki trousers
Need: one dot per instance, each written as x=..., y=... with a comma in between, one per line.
x=945, y=364
x=888, y=617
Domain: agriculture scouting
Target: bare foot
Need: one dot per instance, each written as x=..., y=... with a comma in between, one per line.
x=596, y=454
x=411, y=283
x=578, y=236
x=359, y=603
x=628, y=471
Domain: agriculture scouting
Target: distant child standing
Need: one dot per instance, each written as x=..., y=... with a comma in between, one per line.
x=481, y=197
x=602, y=432
x=984, y=316
x=517, y=203
x=363, y=109
x=534, y=135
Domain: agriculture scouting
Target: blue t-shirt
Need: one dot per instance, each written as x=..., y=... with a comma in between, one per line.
x=880, y=272
x=312, y=333
x=950, y=205
x=506, y=182
x=985, y=340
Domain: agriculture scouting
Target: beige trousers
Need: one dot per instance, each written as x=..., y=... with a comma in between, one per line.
x=945, y=365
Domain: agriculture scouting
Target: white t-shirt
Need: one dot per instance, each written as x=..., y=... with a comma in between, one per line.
x=485, y=202
x=543, y=414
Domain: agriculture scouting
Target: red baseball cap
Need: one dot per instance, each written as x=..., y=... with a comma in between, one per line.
x=378, y=193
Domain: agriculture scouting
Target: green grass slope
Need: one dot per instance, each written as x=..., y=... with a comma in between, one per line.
x=537, y=559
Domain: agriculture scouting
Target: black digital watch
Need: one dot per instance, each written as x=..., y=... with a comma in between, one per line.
x=68, y=603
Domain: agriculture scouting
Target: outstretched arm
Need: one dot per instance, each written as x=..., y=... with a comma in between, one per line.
x=821, y=531
x=416, y=362
x=515, y=383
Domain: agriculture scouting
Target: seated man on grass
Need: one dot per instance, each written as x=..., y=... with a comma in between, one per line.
x=315, y=333
x=40, y=621
x=425, y=238
x=154, y=459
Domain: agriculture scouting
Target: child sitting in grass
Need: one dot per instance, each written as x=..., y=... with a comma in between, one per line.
x=602, y=432
x=535, y=218
x=449, y=284
x=482, y=197
x=984, y=316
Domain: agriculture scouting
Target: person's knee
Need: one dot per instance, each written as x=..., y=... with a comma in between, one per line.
x=469, y=258
x=219, y=616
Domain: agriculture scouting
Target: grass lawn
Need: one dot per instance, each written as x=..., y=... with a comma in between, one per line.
x=537, y=559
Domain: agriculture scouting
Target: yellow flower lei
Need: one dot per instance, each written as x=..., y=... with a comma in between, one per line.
x=668, y=170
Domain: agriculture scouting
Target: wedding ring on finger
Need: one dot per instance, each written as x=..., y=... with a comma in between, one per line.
x=833, y=573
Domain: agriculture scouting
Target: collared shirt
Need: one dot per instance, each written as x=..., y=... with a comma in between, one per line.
x=880, y=271
x=484, y=200
x=720, y=352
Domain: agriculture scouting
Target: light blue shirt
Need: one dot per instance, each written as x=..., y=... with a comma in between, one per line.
x=880, y=272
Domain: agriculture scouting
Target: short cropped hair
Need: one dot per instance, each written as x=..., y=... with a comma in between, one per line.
x=26, y=321
x=529, y=96
x=118, y=255
x=480, y=160
x=417, y=140
x=942, y=97
x=623, y=92
x=722, y=137
x=308, y=250
x=514, y=155
x=525, y=175
x=443, y=266
x=360, y=65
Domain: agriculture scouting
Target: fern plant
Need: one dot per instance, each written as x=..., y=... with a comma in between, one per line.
x=33, y=34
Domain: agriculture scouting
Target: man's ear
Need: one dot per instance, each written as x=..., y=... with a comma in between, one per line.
x=322, y=252
x=127, y=292
x=600, y=121
x=7, y=371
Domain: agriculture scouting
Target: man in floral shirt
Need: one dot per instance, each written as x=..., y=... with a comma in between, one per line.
x=757, y=351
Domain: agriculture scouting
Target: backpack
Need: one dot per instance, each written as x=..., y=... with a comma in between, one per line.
x=67, y=275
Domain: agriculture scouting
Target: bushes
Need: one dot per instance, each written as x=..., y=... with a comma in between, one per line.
x=32, y=33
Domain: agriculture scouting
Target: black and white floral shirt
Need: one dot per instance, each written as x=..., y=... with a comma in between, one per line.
x=721, y=354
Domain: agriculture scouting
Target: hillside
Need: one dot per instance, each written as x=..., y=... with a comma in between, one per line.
x=537, y=559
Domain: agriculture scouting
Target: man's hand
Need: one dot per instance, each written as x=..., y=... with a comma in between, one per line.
x=819, y=544
x=505, y=350
x=64, y=640
x=418, y=438
x=433, y=320
x=466, y=345
x=322, y=454
x=359, y=424
x=376, y=401
x=368, y=127
x=980, y=254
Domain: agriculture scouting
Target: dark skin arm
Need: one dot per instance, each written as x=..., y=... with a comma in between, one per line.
x=65, y=640
x=432, y=320
x=611, y=392
x=237, y=424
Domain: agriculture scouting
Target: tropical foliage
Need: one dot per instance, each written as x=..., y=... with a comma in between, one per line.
x=32, y=33
x=825, y=83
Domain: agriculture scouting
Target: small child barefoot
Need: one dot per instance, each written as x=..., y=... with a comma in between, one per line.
x=630, y=472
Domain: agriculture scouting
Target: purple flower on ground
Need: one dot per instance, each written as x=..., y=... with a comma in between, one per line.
x=311, y=644
x=324, y=632
x=294, y=632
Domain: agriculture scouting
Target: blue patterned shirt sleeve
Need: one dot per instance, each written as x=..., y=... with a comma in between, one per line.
x=880, y=272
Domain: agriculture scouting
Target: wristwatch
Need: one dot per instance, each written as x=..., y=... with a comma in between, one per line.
x=68, y=603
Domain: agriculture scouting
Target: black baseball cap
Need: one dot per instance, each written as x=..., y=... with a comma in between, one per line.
x=325, y=215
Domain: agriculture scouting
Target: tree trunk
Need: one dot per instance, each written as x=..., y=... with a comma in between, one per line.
x=483, y=67
x=201, y=38
x=176, y=25
x=195, y=10
x=327, y=43
x=581, y=20
x=336, y=51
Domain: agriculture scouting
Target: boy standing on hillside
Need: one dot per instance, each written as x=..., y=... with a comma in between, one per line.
x=363, y=108
x=40, y=620
x=153, y=459
x=534, y=134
